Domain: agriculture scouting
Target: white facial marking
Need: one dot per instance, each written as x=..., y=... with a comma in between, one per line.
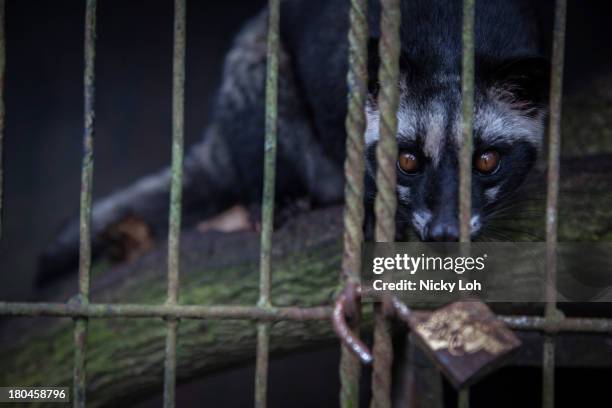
x=491, y=193
x=501, y=118
x=372, y=123
x=406, y=122
x=406, y=115
x=403, y=193
x=420, y=220
x=434, y=136
x=475, y=224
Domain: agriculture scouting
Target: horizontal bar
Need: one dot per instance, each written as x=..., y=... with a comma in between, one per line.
x=101, y=310
x=569, y=324
x=128, y=310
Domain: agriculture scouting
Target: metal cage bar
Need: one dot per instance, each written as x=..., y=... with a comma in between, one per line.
x=2, y=74
x=467, y=121
x=354, y=170
x=270, y=314
x=267, y=207
x=467, y=130
x=386, y=177
x=178, y=130
x=111, y=311
x=81, y=323
x=552, y=201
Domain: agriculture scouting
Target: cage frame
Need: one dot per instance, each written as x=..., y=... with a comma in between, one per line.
x=264, y=313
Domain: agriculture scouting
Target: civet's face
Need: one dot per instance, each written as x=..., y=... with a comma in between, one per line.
x=508, y=130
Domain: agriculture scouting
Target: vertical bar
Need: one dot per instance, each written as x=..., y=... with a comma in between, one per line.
x=467, y=120
x=548, y=372
x=81, y=324
x=267, y=205
x=467, y=129
x=2, y=74
x=354, y=170
x=261, y=365
x=170, y=362
x=464, y=398
x=386, y=201
x=178, y=115
x=552, y=199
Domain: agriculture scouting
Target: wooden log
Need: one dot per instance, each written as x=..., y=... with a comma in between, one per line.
x=125, y=355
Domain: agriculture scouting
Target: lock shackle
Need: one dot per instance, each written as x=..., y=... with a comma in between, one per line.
x=346, y=305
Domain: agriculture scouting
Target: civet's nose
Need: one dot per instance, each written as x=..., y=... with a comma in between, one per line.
x=440, y=230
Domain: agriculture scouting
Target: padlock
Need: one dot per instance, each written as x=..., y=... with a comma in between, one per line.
x=464, y=339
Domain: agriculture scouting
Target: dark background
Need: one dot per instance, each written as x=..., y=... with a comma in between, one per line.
x=43, y=145
x=44, y=107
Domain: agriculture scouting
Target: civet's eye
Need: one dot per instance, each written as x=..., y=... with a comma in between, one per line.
x=408, y=162
x=486, y=162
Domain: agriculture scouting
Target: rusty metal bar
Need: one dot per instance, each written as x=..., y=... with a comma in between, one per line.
x=128, y=310
x=394, y=309
x=350, y=341
x=467, y=122
x=2, y=75
x=81, y=323
x=552, y=200
x=554, y=147
x=388, y=101
x=548, y=372
x=272, y=314
x=178, y=130
x=354, y=170
x=170, y=362
x=467, y=130
x=269, y=182
x=261, y=364
x=383, y=359
x=386, y=200
x=267, y=205
x=568, y=324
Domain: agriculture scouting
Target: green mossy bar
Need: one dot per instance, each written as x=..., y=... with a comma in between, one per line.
x=174, y=231
x=81, y=324
x=267, y=204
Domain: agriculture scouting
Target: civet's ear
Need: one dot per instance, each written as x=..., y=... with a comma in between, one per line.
x=524, y=80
